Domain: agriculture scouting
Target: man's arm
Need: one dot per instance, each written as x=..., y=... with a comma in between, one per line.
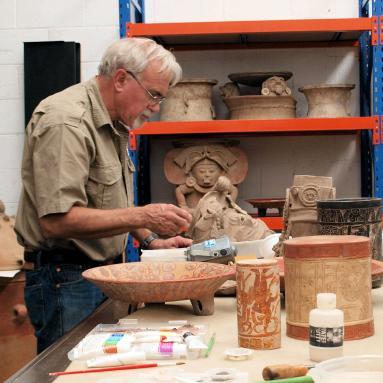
x=85, y=223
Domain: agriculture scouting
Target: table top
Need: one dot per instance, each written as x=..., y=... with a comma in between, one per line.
x=223, y=322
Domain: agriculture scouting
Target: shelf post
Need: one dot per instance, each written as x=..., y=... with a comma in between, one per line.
x=377, y=99
x=131, y=10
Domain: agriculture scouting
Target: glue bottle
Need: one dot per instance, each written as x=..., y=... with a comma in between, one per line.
x=326, y=329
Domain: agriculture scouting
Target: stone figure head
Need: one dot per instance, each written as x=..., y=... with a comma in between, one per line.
x=275, y=86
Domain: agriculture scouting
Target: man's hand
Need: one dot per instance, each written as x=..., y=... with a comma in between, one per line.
x=166, y=219
x=170, y=243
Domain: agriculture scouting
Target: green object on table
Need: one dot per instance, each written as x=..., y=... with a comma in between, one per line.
x=210, y=345
x=298, y=379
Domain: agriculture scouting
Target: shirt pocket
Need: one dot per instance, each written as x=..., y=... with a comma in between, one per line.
x=105, y=187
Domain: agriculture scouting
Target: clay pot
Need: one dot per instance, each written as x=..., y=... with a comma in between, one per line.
x=258, y=304
x=189, y=100
x=132, y=283
x=339, y=264
x=327, y=100
x=256, y=107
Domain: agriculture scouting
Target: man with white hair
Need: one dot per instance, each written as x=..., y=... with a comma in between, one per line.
x=76, y=206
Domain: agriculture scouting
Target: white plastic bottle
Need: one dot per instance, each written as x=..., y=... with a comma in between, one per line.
x=326, y=329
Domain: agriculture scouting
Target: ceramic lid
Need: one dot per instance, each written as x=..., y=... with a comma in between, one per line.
x=326, y=240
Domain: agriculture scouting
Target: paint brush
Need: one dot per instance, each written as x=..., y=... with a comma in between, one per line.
x=116, y=368
x=210, y=345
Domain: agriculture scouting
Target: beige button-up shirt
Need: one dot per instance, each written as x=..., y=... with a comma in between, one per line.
x=74, y=155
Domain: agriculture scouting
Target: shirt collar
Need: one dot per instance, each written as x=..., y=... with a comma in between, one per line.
x=99, y=112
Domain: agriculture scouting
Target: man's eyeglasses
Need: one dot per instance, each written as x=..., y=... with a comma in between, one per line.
x=155, y=99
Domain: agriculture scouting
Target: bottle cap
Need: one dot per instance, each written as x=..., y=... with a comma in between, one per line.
x=326, y=301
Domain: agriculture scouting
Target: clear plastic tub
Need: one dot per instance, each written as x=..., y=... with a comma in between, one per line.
x=350, y=369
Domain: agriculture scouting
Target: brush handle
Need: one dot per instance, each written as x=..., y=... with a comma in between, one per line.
x=104, y=369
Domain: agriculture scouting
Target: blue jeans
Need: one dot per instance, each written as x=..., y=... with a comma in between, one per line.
x=57, y=299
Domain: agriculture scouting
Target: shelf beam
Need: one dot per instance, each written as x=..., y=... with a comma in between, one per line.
x=249, y=27
x=234, y=34
x=258, y=126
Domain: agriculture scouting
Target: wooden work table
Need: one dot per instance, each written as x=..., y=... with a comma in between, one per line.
x=223, y=322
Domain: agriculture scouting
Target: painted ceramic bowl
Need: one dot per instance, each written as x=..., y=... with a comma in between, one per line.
x=153, y=282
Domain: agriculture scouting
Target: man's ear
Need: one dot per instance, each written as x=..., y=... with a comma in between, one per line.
x=120, y=78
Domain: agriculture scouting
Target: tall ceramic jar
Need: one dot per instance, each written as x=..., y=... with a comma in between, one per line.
x=189, y=100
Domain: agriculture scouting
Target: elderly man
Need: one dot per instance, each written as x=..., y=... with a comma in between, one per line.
x=76, y=206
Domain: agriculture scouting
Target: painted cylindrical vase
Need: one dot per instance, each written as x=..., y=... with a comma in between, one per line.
x=328, y=264
x=258, y=304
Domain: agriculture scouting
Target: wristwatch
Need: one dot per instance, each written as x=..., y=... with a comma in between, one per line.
x=148, y=240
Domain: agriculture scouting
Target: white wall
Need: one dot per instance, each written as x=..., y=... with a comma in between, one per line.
x=160, y=11
x=92, y=23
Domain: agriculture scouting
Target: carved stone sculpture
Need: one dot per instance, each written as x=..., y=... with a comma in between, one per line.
x=300, y=210
x=328, y=100
x=11, y=253
x=189, y=100
x=207, y=176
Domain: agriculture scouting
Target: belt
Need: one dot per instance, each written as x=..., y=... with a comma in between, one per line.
x=61, y=256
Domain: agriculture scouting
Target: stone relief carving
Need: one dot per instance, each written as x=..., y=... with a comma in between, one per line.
x=207, y=176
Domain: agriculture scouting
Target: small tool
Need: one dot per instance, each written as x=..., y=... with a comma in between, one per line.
x=209, y=346
x=219, y=250
x=282, y=371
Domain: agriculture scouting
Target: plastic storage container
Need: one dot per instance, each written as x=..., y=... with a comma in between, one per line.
x=350, y=369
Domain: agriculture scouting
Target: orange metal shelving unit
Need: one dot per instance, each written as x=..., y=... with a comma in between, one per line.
x=259, y=34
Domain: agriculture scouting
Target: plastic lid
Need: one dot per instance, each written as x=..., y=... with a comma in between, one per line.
x=326, y=301
x=238, y=353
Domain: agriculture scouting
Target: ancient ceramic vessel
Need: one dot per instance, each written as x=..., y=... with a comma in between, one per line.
x=334, y=264
x=11, y=253
x=258, y=304
x=255, y=107
x=356, y=216
x=136, y=282
x=300, y=210
x=327, y=100
x=189, y=100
